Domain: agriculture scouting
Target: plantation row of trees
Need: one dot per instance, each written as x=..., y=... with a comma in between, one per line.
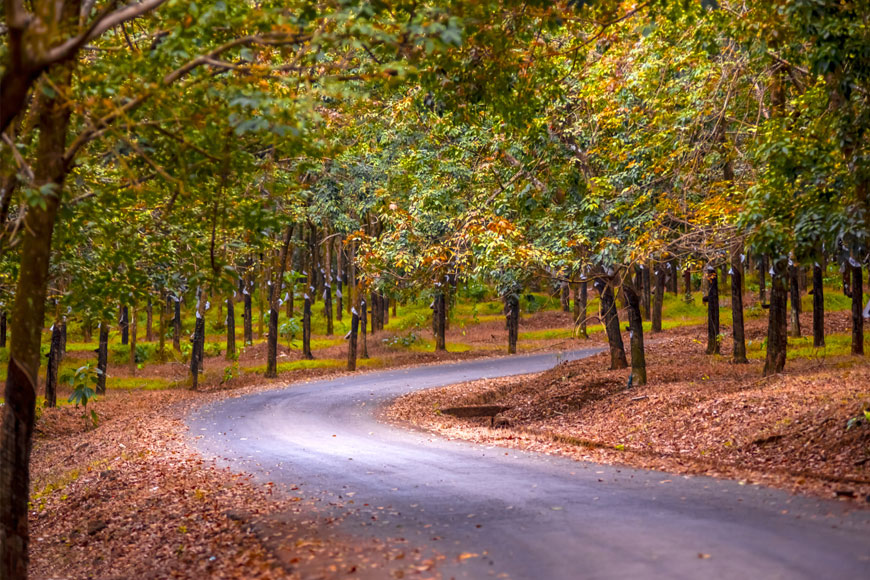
x=161, y=153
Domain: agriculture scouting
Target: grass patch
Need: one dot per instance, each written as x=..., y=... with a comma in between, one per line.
x=839, y=344
x=136, y=383
x=318, y=363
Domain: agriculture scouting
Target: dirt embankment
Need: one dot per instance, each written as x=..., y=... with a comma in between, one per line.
x=803, y=430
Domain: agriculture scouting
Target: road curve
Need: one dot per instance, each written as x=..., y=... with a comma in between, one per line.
x=529, y=516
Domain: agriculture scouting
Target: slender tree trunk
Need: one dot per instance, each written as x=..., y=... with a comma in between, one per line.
x=363, y=316
x=687, y=283
x=582, y=306
x=19, y=412
x=635, y=329
x=777, y=331
x=439, y=313
x=248, y=316
x=762, y=286
x=274, y=296
x=352, y=338
x=565, y=296
x=658, y=298
x=231, y=329
x=512, y=317
x=161, y=327
x=818, y=307
x=712, y=300
x=795, y=295
x=102, y=358
x=51, y=371
x=124, y=323
x=327, y=307
x=306, y=328
x=738, y=353
x=87, y=331
x=386, y=313
x=62, y=348
x=673, y=276
x=646, y=289
x=611, y=324
x=149, y=321
x=857, y=310
x=132, y=326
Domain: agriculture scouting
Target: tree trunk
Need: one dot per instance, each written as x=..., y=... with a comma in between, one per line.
x=646, y=289
x=565, y=296
x=149, y=321
x=687, y=283
x=327, y=306
x=51, y=371
x=857, y=310
x=738, y=352
x=231, y=329
x=352, y=338
x=777, y=331
x=62, y=348
x=124, y=323
x=16, y=431
x=363, y=316
x=194, y=354
x=102, y=358
x=87, y=331
x=658, y=298
x=132, y=326
x=161, y=326
x=582, y=307
x=439, y=312
x=673, y=276
x=795, y=295
x=611, y=324
x=306, y=328
x=635, y=329
x=274, y=297
x=762, y=273
x=248, y=315
x=373, y=298
x=712, y=300
x=818, y=307
x=3, y=329
x=512, y=316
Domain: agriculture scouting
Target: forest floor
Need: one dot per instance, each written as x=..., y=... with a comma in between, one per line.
x=804, y=430
x=131, y=498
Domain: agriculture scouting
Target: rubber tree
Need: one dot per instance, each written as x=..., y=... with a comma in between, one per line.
x=609, y=315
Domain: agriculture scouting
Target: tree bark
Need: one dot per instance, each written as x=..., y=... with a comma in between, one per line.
x=176, y=323
x=565, y=296
x=124, y=323
x=818, y=307
x=248, y=315
x=231, y=329
x=611, y=324
x=149, y=321
x=795, y=297
x=635, y=329
x=646, y=291
x=512, y=318
x=738, y=351
x=352, y=340
x=132, y=326
x=3, y=329
x=102, y=358
x=777, y=331
x=658, y=298
x=51, y=371
x=762, y=286
x=687, y=283
x=161, y=326
x=582, y=307
x=439, y=312
x=712, y=300
x=857, y=310
x=363, y=316
x=306, y=328
x=274, y=296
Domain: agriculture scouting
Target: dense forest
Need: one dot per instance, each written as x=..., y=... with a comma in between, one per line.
x=289, y=165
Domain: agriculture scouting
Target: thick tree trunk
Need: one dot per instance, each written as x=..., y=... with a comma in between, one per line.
x=18, y=414
x=439, y=312
x=712, y=300
x=611, y=324
x=795, y=297
x=857, y=310
x=231, y=329
x=818, y=307
x=738, y=352
x=635, y=329
x=352, y=340
x=51, y=370
x=363, y=317
x=777, y=331
x=658, y=298
x=306, y=328
x=102, y=358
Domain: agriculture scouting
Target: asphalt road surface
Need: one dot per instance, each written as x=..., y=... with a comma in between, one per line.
x=524, y=515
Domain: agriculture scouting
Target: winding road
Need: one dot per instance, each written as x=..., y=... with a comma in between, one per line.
x=523, y=515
